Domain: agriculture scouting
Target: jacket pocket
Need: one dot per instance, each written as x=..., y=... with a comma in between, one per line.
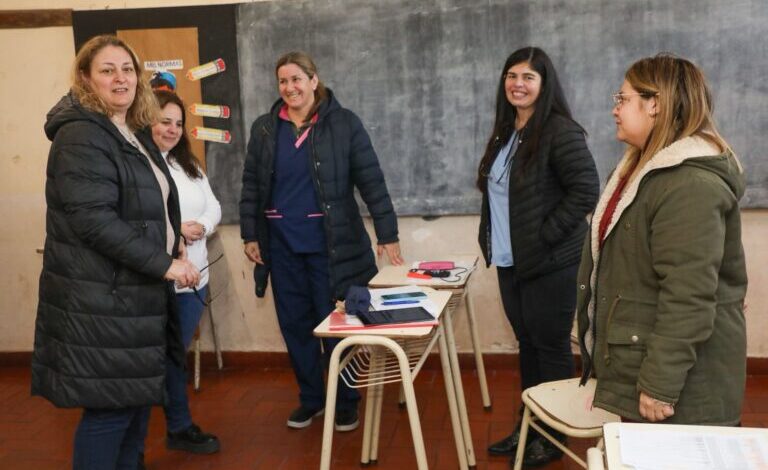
x=626, y=349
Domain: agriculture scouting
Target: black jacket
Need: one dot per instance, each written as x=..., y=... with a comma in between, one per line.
x=102, y=330
x=341, y=158
x=549, y=203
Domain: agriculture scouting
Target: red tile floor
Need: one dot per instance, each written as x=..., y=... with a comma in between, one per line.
x=247, y=408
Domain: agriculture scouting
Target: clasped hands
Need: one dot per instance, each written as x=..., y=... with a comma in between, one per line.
x=654, y=410
x=182, y=272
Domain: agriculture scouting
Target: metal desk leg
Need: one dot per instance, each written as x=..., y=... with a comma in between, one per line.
x=458, y=387
x=370, y=437
x=216, y=348
x=410, y=397
x=479, y=363
x=378, y=397
x=196, y=381
x=458, y=434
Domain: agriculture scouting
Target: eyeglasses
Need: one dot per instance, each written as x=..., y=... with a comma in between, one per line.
x=194, y=288
x=621, y=98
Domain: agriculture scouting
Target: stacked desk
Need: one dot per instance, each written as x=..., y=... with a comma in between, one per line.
x=380, y=356
x=458, y=286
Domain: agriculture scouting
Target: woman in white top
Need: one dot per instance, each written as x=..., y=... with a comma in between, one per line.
x=200, y=213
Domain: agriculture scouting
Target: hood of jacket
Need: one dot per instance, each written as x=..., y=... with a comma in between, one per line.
x=68, y=110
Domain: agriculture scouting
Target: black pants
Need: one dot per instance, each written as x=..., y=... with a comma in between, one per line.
x=541, y=313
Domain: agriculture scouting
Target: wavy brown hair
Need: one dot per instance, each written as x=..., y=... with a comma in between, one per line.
x=684, y=104
x=307, y=65
x=143, y=110
x=182, y=152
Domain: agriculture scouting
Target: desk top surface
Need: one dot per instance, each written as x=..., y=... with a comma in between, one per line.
x=392, y=276
x=611, y=432
x=439, y=298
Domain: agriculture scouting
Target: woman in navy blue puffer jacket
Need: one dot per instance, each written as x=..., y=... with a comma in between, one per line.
x=301, y=224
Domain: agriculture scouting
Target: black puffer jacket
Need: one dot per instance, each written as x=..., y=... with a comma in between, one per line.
x=548, y=205
x=341, y=158
x=102, y=330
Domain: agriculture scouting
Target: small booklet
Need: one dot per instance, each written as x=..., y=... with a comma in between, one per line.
x=401, y=315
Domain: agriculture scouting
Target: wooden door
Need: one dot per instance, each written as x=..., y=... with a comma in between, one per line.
x=164, y=44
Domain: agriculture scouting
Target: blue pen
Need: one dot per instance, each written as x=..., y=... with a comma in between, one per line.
x=400, y=302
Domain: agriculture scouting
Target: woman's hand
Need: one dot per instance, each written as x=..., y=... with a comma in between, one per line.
x=654, y=410
x=393, y=252
x=253, y=252
x=183, y=273
x=192, y=231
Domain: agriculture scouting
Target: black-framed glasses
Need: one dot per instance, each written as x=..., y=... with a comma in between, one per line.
x=194, y=288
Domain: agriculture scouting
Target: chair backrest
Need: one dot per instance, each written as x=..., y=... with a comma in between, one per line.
x=569, y=403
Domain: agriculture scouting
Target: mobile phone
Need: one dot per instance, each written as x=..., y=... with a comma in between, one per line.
x=403, y=295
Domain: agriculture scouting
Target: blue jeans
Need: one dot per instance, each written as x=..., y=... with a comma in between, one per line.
x=177, y=415
x=110, y=439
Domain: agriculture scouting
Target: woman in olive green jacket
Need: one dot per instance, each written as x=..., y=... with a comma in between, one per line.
x=662, y=279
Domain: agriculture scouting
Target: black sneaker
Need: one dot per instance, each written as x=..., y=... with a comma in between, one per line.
x=347, y=420
x=302, y=416
x=194, y=440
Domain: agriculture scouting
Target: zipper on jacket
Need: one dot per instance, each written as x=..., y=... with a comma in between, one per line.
x=324, y=207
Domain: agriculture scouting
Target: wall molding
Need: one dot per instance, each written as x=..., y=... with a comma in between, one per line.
x=20, y=19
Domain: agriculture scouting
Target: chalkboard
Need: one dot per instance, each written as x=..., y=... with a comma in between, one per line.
x=422, y=74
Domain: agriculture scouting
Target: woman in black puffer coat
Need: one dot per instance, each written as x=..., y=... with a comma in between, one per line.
x=300, y=221
x=539, y=182
x=105, y=320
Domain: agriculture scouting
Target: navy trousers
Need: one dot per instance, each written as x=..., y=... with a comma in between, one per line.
x=541, y=313
x=109, y=439
x=302, y=291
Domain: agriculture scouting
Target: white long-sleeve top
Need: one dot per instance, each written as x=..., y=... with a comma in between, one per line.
x=198, y=204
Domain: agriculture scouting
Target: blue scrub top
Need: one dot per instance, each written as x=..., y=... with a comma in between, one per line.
x=498, y=197
x=294, y=214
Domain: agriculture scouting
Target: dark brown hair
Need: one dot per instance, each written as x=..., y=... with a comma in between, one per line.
x=551, y=100
x=182, y=152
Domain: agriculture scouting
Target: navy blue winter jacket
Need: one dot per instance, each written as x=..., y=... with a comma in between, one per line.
x=341, y=159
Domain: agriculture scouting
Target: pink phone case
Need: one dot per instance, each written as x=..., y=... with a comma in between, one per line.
x=436, y=265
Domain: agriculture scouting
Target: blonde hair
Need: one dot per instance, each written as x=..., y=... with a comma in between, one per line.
x=144, y=110
x=684, y=105
x=303, y=61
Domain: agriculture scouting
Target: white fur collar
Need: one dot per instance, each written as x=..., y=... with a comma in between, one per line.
x=670, y=156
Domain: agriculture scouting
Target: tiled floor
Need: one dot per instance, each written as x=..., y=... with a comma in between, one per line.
x=247, y=408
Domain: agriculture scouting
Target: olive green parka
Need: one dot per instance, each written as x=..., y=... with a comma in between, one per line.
x=660, y=305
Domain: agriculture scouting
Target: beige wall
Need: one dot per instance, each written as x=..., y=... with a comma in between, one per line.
x=34, y=70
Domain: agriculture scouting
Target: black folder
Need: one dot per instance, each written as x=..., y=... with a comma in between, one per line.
x=401, y=315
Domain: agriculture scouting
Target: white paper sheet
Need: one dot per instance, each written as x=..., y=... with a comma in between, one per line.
x=378, y=303
x=670, y=450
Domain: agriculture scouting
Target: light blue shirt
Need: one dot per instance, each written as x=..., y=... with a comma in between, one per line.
x=498, y=197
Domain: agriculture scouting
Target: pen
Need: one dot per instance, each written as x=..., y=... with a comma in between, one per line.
x=399, y=302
